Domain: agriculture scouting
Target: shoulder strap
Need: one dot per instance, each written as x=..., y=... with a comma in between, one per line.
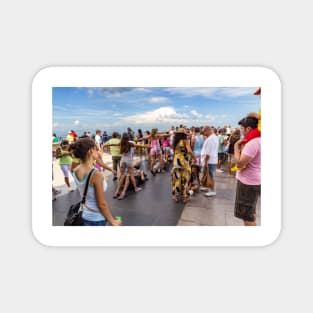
x=86, y=186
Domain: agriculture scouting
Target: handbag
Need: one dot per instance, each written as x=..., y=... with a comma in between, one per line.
x=74, y=214
x=206, y=180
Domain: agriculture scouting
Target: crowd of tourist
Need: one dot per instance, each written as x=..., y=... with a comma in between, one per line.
x=183, y=151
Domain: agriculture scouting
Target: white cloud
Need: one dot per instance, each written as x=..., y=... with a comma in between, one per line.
x=143, y=90
x=210, y=118
x=196, y=114
x=158, y=116
x=168, y=116
x=76, y=122
x=158, y=99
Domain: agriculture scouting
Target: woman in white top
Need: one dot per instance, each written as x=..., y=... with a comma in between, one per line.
x=96, y=211
x=127, y=165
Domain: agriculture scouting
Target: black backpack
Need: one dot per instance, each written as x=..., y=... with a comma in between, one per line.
x=74, y=214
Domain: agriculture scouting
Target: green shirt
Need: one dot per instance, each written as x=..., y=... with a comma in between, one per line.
x=221, y=146
x=66, y=159
x=115, y=150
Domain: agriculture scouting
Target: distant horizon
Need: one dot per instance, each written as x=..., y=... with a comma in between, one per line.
x=115, y=109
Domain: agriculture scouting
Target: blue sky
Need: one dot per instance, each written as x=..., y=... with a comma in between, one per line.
x=121, y=107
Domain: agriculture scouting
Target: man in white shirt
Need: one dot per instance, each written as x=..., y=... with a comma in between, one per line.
x=98, y=139
x=209, y=156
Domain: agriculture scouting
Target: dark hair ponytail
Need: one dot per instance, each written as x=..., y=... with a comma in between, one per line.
x=177, y=138
x=81, y=147
x=125, y=145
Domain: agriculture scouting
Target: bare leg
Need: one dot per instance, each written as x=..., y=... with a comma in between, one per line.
x=229, y=165
x=67, y=181
x=152, y=162
x=194, y=188
x=125, y=186
x=160, y=158
x=132, y=178
x=120, y=182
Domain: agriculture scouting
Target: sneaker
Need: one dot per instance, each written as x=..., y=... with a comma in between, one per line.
x=210, y=194
x=219, y=171
x=190, y=192
x=204, y=188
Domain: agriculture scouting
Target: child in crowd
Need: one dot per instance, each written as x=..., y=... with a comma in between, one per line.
x=194, y=183
x=65, y=161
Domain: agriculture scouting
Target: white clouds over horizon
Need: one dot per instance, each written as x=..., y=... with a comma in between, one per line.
x=159, y=100
x=168, y=116
x=161, y=115
x=196, y=114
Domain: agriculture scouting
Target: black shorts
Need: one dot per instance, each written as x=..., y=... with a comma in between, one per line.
x=221, y=156
x=246, y=199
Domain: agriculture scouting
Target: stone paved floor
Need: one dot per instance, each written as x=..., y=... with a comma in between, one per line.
x=214, y=211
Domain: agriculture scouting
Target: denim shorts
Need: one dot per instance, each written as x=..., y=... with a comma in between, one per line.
x=94, y=223
x=212, y=169
x=126, y=164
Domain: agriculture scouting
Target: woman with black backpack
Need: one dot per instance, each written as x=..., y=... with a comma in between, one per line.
x=96, y=211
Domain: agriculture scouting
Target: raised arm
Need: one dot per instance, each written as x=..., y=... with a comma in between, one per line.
x=105, y=166
x=144, y=138
x=162, y=135
x=140, y=146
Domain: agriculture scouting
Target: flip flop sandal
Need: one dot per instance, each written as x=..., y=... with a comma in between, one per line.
x=121, y=197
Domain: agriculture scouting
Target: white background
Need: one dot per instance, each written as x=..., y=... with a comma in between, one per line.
x=36, y=34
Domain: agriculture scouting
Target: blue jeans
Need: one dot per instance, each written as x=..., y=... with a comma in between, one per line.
x=94, y=223
x=212, y=169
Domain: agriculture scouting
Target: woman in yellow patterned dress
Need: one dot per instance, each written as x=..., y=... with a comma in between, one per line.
x=181, y=171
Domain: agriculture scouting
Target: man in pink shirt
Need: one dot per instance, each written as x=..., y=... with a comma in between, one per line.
x=247, y=156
